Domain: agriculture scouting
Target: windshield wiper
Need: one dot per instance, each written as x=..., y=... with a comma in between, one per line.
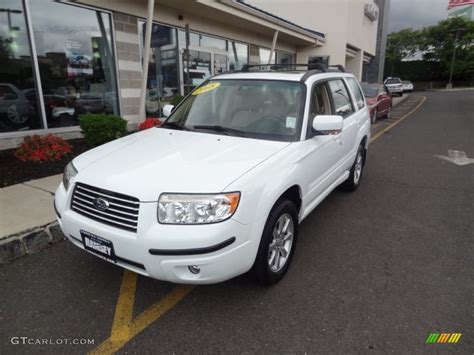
x=175, y=125
x=220, y=129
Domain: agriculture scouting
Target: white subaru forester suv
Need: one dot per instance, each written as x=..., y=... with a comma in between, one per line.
x=221, y=187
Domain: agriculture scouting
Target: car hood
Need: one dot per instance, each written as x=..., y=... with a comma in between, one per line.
x=159, y=160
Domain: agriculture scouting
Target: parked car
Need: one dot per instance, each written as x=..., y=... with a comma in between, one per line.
x=407, y=86
x=378, y=99
x=15, y=109
x=60, y=110
x=222, y=186
x=394, y=85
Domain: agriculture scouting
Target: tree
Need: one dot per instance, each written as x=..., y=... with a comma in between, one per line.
x=401, y=45
x=435, y=44
x=438, y=44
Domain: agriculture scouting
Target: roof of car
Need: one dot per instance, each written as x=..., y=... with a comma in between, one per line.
x=276, y=75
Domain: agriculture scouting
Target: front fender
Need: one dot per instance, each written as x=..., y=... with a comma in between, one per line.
x=262, y=186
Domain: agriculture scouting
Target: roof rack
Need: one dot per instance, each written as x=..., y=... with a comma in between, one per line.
x=287, y=66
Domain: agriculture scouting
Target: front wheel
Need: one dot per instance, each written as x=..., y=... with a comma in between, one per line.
x=353, y=181
x=277, y=245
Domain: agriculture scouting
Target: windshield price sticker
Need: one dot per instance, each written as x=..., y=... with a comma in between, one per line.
x=206, y=88
x=291, y=122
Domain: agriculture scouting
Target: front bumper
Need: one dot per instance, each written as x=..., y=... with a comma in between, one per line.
x=166, y=252
x=395, y=89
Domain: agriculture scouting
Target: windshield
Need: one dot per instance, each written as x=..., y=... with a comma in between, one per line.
x=407, y=82
x=370, y=91
x=393, y=81
x=262, y=109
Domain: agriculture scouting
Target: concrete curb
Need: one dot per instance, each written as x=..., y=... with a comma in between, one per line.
x=29, y=242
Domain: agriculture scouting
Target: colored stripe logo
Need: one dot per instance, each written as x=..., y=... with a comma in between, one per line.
x=442, y=338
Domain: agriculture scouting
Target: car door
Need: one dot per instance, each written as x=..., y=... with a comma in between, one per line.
x=319, y=152
x=352, y=115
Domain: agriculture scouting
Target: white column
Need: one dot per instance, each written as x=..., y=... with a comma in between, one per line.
x=275, y=37
x=146, y=60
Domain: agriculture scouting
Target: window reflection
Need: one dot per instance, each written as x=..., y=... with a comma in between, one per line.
x=163, y=79
x=264, y=56
x=76, y=61
x=238, y=55
x=16, y=71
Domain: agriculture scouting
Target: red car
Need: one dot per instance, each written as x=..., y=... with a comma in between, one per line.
x=378, y=99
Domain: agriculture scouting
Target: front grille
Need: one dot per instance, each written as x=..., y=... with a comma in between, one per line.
x=122, y=212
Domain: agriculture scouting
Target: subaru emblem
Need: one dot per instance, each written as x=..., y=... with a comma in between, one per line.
x=101, y=204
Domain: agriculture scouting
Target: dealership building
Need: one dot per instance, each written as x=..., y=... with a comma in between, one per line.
x=60, y=59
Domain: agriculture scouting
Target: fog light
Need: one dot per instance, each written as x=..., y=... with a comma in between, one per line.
x=194, y=269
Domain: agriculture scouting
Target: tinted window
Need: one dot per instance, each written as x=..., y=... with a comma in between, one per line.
x=354, y=87
x=393, y=81
x=342, y=100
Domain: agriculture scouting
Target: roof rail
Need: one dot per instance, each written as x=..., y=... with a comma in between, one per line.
x=290, y=66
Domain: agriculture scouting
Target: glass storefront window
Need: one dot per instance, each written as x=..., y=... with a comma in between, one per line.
x=264, y=55
x=163, y=81
x=284, y=58
x=238, y=55
x=202, y=41
x=19, y=109
x=199, y=68
x=76, y=61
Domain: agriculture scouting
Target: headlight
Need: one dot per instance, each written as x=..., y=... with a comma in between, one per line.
x=196, y=209
x=69, y=172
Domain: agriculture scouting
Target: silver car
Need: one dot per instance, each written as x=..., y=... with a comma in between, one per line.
x=394, y=85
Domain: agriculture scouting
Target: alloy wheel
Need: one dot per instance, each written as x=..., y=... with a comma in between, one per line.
x=281, y=244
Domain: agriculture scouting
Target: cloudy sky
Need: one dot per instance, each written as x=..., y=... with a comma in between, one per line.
x=416, y=13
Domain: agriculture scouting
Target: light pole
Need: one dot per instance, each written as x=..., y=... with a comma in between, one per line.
x=9, y=12
x=450, y=83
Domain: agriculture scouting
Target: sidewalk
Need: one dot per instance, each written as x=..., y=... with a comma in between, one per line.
x=27, y=222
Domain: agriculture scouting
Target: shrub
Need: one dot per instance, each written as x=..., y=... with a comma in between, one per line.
x=43, y=148
x=149, y=123
x=176, y=100
x=102, y=128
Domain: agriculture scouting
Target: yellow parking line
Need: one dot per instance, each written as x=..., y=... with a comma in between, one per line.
x=124, y=327
x=376, y=136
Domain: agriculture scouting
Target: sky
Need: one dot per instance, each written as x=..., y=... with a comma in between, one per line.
x=416, y=13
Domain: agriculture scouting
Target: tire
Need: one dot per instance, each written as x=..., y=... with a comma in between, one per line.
x=355, y=175
x=267, y=270
x=374, y=117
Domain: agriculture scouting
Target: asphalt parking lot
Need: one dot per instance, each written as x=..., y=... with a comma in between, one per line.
x=374, y=271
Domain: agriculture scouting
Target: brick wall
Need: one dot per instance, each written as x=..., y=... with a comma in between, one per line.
x=129, y=65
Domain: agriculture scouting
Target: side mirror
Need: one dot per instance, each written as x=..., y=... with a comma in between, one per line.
x=328, y=124
x=167, y=109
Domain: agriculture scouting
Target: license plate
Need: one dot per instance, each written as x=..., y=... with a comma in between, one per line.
x=98, y=245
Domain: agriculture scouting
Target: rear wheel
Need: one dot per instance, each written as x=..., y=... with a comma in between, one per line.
x=277, y=245
x=353, y=181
